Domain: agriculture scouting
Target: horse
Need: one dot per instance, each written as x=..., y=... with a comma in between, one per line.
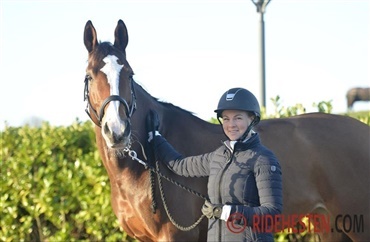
x=324, y=157
x=357, y=94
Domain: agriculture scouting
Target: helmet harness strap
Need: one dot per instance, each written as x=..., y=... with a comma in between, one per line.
x=253, y=123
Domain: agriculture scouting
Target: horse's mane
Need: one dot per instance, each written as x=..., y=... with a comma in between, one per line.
x=166, y=105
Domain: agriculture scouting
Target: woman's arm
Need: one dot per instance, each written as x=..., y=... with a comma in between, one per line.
x=192, y=166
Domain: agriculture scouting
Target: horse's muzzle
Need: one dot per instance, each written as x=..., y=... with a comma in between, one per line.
x=117, y=134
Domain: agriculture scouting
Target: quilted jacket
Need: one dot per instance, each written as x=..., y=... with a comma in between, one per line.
x=247, y=177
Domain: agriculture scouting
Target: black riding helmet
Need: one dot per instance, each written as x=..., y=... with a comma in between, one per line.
x=239, y=99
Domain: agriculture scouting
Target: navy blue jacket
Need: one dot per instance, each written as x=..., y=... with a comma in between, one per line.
x=247, y=177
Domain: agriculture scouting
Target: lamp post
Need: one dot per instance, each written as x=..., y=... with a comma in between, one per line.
x=261, y=7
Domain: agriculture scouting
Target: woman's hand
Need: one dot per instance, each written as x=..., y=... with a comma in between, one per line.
x=211, y=211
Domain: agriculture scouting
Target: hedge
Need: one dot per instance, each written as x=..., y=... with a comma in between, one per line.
x=54, y=186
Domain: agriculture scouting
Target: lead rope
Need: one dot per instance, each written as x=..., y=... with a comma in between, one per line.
x=152, y=191
x=133, y=156
x=188, y=228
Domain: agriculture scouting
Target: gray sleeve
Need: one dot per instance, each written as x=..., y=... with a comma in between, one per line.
x=192, y=166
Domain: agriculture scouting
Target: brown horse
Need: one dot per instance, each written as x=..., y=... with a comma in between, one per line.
x=357, y=94
x=324, y=158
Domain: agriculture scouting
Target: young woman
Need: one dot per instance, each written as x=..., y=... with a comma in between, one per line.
x=244, y=177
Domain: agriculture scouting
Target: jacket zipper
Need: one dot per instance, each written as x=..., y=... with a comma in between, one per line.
x=219, y=190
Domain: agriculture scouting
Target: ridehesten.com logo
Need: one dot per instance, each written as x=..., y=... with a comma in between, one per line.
x=297, y=223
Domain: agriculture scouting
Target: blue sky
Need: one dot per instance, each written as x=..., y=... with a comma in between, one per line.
x=187, y=52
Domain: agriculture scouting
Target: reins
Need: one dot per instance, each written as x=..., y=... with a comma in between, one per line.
x=160, y=175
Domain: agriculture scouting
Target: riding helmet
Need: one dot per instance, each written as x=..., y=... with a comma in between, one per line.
x=238, y=99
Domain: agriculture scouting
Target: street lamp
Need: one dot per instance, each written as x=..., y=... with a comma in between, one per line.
x=261, y=7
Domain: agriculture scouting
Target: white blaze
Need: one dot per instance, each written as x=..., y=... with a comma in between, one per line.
x=112, y=70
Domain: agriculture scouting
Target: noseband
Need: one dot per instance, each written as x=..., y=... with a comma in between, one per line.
x=99, y=116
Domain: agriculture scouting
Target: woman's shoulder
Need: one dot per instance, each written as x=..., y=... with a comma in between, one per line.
x=267, y=160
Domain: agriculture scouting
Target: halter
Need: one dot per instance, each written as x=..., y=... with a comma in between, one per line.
x=99, y=116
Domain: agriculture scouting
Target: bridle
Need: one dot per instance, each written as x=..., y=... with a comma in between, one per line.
x=130, y=109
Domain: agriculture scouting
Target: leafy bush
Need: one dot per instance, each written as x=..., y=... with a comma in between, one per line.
x=363, y=116
x=281, y=111
x=54, y=186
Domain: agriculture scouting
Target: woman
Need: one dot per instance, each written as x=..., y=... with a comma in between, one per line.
x=244, y=176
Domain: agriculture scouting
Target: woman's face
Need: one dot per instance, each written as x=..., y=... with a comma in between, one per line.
x=235, y=123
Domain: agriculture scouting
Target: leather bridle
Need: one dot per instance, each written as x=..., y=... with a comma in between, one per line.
x=130, y=109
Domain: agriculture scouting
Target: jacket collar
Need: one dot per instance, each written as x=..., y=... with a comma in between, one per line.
x=250, y=143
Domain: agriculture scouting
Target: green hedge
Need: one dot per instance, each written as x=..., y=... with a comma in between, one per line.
x=54, y=186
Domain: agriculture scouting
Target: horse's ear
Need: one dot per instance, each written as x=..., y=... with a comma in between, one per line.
x=121, y=36
x=90, y=37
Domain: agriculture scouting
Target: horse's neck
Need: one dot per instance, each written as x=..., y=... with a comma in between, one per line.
x=186, y=132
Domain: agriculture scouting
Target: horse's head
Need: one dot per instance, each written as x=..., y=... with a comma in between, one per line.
x=109, y=86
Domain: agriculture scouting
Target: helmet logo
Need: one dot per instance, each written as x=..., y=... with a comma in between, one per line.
x=230, y=96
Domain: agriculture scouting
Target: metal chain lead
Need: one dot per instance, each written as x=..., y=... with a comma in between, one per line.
x=188, y=228
x=133, y=156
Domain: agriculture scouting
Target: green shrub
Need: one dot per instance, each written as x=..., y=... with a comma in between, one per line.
x=363, y=116
x=54, y=186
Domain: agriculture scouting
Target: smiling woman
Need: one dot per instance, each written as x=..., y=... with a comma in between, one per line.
x=235, y=123
x=238, y=99
x=244, y=177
